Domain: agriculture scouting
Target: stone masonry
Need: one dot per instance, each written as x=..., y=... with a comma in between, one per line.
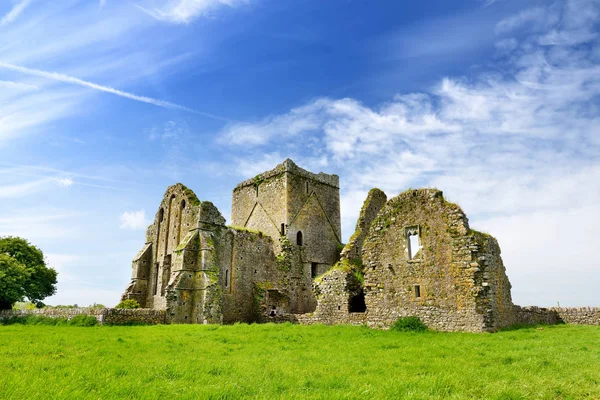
x=282, y=260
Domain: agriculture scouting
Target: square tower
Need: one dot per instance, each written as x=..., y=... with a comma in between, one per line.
x=291, y=202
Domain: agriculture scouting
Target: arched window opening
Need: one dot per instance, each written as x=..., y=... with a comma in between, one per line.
x=161, y=217
x=169, y=229
x=182, y=207
x=299, y=238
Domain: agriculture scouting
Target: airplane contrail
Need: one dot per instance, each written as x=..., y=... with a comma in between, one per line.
x=76, y=81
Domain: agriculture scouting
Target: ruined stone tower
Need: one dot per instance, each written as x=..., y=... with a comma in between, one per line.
x=292, y=202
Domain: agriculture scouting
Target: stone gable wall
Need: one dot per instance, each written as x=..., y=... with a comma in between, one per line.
x=456, y=270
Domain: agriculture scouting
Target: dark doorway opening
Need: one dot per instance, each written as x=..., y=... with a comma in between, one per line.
x=357, y=303
x=314, y=270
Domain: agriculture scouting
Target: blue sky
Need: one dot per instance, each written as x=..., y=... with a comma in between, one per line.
x=103, y=104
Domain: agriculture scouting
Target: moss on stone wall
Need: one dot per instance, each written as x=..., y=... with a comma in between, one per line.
x=284, y=259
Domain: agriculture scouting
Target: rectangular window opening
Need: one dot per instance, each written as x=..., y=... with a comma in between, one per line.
x=282, y=229
x=226, y=278
x=313, y=270
x=417, y=291
x=414, y=245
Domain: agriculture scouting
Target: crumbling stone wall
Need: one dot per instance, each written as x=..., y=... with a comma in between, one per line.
x=453, y=281
x=375, y=201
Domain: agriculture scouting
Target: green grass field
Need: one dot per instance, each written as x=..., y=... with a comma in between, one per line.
x=291, y=361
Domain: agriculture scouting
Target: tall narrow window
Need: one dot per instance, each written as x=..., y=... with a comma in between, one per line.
x=181, y=208
x=282, y=229
x=226, y=278
x=161, y=216
x=256, y=186
x=155, y=289
x=414, y=244
x=306, y=187
x=417, y=291
x=299, y=238
x=314, y=270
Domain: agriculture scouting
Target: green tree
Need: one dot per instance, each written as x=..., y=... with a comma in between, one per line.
x=130, y=303
x=23, y=273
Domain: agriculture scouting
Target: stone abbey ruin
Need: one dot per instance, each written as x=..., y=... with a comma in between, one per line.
x=282, y=259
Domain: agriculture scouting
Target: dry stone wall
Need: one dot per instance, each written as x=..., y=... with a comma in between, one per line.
x=105, y=316
x=578, y=315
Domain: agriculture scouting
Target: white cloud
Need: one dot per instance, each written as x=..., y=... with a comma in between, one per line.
x=23, y=189
x=533, y=18
x=515, y=146
x=65, y=182
x=40, y=225
x=17, y=85
x=135, y=220
x=185, y=11
x=17, y=9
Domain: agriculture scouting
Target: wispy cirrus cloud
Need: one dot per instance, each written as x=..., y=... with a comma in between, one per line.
x=14, y=12
x=57, y=56
x=17, y=85
x=185, y=11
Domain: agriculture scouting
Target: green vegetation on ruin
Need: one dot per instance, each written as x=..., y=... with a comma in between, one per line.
x=292, y=361
x=244, y=229
x=190, y=195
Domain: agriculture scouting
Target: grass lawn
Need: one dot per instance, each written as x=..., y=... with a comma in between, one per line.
x=291, y=361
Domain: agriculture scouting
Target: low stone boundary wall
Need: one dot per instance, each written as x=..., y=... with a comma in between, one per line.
x=67, y=313
x=342, y=319
x=532, y=315
x=108, y=316
x=121, y=316
x=578, y=315
x=555, y=315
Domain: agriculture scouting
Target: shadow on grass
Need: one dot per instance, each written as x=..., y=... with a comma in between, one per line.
x=518, y=327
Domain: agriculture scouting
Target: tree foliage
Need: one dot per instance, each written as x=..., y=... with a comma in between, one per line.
x=23, y=273
x=130, y=303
